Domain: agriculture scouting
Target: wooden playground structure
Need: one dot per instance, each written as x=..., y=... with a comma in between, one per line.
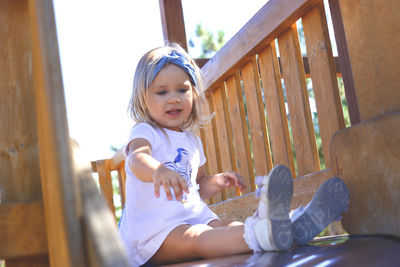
x=51, y=211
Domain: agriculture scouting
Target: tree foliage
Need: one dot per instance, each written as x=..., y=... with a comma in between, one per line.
x=208, y=42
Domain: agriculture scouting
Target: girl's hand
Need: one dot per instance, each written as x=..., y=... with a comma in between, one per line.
x=169, y=178
x=231, y=178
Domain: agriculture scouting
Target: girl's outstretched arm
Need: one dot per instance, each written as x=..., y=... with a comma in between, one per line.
x=149, y=170
x=211, y=185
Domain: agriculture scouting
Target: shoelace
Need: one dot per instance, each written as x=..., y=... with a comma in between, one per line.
x=259, y=183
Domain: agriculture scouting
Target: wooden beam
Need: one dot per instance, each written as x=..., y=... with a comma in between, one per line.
x=61, y=200
x=373, y=46
x=22, y=230
x=305, y=186
x=241, y=207
x=103, y=246
x=19, y=161
x=173, y=23
x=344, y=62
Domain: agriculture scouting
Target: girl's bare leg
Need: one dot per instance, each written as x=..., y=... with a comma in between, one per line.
x=188, y=242
x=218, y=223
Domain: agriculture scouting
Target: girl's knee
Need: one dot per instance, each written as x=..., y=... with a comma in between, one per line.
x=198, y=229
x=199, y=237
x=234, y=223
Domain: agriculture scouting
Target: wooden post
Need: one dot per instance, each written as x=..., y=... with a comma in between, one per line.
x=366, y=156
x=23, y=242
x=173, y=23
x=372, y=37
x=344, y=62
x=60, y=188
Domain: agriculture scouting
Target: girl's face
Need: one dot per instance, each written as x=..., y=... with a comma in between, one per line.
x=170, y=97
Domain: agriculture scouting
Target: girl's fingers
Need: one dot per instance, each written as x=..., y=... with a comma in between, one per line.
x=237, y=179
x=157, y=188
x=184, y=185
x=176, y=186
x=167, y=189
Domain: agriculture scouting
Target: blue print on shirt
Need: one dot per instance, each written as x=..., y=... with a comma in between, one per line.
x=181, y=165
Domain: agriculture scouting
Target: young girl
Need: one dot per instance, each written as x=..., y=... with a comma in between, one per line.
x=164, y=218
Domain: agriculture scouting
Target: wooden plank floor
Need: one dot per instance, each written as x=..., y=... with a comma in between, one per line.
x=328, y=251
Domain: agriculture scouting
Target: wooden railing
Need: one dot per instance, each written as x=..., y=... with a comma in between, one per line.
x=248, y=89
x=104, y=169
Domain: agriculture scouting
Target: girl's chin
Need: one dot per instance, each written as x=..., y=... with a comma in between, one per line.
x=171, y=127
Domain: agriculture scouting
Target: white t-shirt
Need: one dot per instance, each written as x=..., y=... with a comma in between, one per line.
x=147, y=220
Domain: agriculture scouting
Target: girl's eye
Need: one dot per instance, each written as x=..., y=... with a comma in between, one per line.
x=162, y=92
x=183, y=90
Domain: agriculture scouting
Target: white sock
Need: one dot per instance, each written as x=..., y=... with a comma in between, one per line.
x=296, y=213
x=249, y=235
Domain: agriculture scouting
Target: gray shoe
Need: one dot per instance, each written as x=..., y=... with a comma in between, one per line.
x=326, y=206
x=273, y=229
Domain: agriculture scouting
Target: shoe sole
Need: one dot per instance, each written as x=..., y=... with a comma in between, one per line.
x=327, y=205
x=279, y=194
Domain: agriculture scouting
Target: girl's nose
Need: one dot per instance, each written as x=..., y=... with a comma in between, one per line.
x=174, y=99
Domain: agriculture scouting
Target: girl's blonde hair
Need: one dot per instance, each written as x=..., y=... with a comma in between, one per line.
x=138, y=105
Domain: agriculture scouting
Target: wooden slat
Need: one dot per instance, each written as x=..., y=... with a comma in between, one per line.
x=261, y=108
x=207, y=167
x=275, y=106
x=104, y=169
x=222, y=139
x=272, y=19
x=207, y=137
x=259, y=141
x=228, y=124
x=240, y=135
x=323, y=74
x=215, y=126
x=299, y=107
x=105, y=181
x=241, y=207
x=172, y=21
x=22, y=231
x=307, y=66
x=122, y=182
x=344, y=62
x=61, y=200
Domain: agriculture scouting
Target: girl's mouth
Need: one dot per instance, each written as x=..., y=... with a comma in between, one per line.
x=173, y=111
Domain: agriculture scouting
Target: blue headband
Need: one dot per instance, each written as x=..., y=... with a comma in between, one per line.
x=179, y=60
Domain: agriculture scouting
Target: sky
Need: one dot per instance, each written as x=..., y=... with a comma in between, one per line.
x=101, y=42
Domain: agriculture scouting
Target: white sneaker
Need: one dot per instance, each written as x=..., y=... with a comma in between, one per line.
x=326, y=206
x=273, y=229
